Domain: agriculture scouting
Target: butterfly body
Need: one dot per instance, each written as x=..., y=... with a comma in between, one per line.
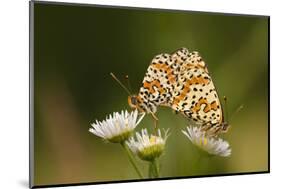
x=181, y=81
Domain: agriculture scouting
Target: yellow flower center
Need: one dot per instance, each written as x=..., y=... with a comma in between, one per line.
x=117, y=125
x=203, y=141
x=152, y=139
x=126, y=122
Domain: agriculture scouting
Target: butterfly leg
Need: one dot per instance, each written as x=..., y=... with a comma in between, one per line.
x=210, y=129
x=215, y=130
x=206, y=126
x=155, y=122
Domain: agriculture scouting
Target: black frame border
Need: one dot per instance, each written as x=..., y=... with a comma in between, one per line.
x=31, y=94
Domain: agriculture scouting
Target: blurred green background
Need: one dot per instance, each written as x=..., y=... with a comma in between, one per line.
x=75, y=49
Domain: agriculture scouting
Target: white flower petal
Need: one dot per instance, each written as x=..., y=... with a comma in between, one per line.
x=116, y=125
x=212, y=145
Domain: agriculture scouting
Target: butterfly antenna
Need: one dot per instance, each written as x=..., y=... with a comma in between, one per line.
x=237, y=110
x=225, y=108
x=128, y=82
x=120, y=83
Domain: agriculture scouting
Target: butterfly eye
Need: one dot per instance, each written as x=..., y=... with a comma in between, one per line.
x=225, y=126
x=134, y=100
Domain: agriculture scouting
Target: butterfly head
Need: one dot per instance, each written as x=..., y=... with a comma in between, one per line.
x=225, y=126
x=133, y=101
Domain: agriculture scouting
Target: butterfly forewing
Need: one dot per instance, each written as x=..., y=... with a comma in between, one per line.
x=156, y=86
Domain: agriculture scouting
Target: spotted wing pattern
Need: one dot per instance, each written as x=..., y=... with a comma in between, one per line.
x=181, y=81
x=159, y=80
x=194, y=94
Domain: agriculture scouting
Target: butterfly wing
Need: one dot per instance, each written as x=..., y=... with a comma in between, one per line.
x=181, y=81
x=194, y=94
x=161, y=76
x=156, y=86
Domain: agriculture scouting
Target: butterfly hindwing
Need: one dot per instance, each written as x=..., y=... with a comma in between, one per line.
x=195, y=95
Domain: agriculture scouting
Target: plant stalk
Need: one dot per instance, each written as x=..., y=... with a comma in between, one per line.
x=153, y=170
x=132, y=159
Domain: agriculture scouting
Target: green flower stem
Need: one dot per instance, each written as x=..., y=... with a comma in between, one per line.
x=156, y=166
x=132, y=159
x=202, y=162
x=196, y=165
x=153, y=171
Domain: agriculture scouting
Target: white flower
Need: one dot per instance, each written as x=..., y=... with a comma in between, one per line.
x=212, y=145
x=117, y=127
x=148, y=147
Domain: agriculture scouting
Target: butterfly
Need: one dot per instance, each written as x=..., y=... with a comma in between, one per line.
x=181, y=81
